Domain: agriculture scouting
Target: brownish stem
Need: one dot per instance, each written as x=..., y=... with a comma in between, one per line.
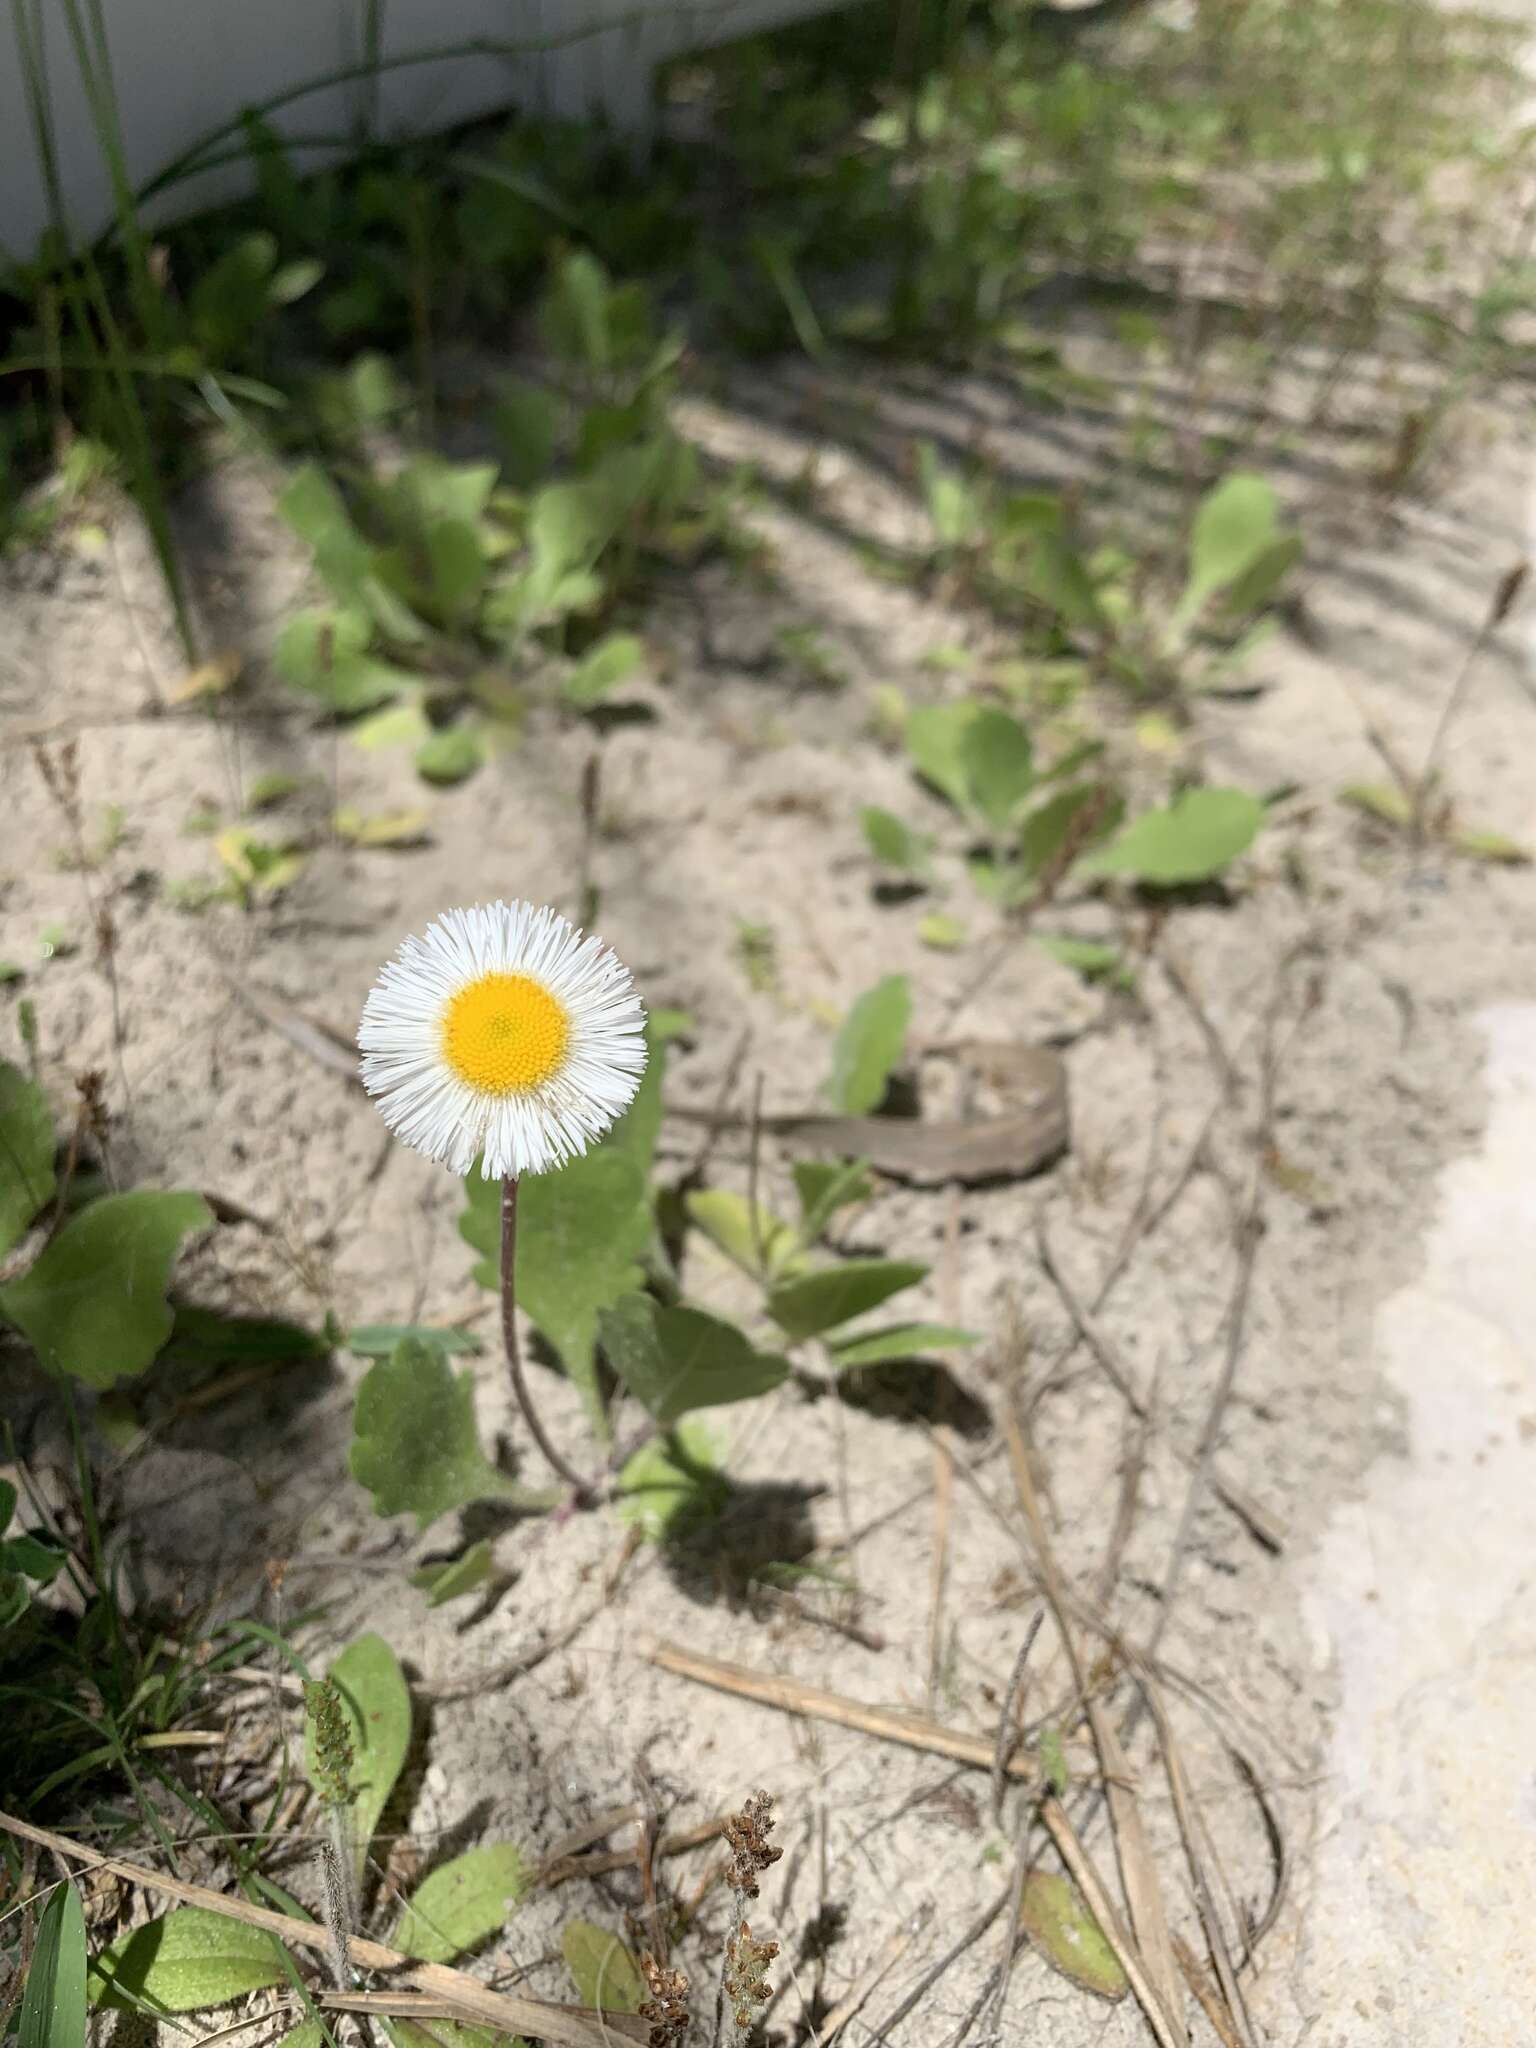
x=536, y=1428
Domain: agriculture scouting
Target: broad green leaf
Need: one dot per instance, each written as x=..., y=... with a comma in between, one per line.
x=53, y=1999
x=441, y=2034
x=1254, y=588
x=325, y=654
x=1004, y=882
x=450, y=756
x=36, y=1556
x=893, y=842
x=204, y=1338
x=1199, y=834
x=1055, y=575
x=580, y=1233
x=377, y=1700
x=403, y=725
x=463, y=1903
x=444, y=1582
x=726, y=1220
x=814, y=1302
x=310, y=2034
x=93, y=1303
x=378, y=1340
x=611, y=662
x=674, y=1360
x=189, y=1959
x=935, y=736
x=941, y=931
x=26, y=1154
x=1235, y=523
x=414, y=1442
x=459, y=565
x=899, y=1340
x=314, y=508
x=1054, y=1917
x=527, y=426
x=606, y=1975
x=824, y=1187
x=999, y=765
x=1092, y=958
x=1076, y=818
x=869, y=1046
x=673, y=1485
x=1382, y=800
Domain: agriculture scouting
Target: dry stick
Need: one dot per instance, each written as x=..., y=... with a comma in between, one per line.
x=1133, y=1462
x=1089, y=1883
x=566, y=2026
x=1205, y=1991
x=1500, y=605
x=1260, y=1524
x=1251, y=1231
x=1012, y=1714
x=943, y=1490
x=935, y=1971
x=552, y=1456
x=1157, y=1987
x=1183, y=1806
x=852, y=2001
x=1138, y=1873
x=790, y=1696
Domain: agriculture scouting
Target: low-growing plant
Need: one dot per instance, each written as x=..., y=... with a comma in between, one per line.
x=456, y=588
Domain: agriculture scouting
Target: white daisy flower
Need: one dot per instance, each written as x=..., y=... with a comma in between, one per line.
x=505, y=1035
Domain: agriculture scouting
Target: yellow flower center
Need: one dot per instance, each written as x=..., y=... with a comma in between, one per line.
x=505, y=1033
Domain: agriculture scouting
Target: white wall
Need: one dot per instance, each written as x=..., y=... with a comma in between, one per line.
x=183, y=67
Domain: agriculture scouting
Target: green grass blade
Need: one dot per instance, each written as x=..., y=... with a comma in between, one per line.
x=53, y=2003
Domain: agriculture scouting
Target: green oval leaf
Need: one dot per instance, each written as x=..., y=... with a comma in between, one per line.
x=726, y=1220
x=580, y=1233
x=1236, y=522
x=611, y=662
x=463, y=1903
x=377, y=1702
x=606, y=1975
x=450, y=756
x=444, y=1582
x=674, y=1360
x=871, y=1042
x=93, y=1304
x=414, y=1442
x=819, y=1301
x=26, y=1154
x=1056, y=1920
x=188, y=1959
x=1199, y=834
x=999, y=765
x=893, y=842
x=935, y=735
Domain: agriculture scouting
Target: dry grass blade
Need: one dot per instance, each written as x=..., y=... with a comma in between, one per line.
x=1210, y=1919
x=1138, y=1872
x=566, y=2026
x=1210, y=1998
x=943, y=1492
x=1259, y=1523
x=814, y=1703
x=852, y=2002
x=1097, y=1899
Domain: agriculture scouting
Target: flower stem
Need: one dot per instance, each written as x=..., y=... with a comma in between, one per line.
x=536, y=1428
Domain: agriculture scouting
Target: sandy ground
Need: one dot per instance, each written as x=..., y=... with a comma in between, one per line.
x=1363, y=1695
